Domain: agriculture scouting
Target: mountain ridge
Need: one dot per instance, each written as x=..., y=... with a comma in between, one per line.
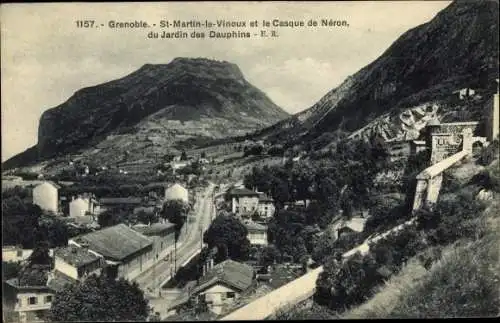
x=457, y=48
x=189, y=90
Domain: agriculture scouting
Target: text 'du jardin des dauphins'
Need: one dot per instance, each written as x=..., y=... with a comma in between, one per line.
x=211, y=29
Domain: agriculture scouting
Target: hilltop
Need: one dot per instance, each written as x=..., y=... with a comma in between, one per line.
x=157, y=107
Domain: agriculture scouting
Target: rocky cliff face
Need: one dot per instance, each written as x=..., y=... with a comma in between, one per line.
x=456, y=49
x=164, y=103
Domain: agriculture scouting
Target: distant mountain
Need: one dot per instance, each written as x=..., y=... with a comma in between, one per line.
x=421, y=69
x=155, y=107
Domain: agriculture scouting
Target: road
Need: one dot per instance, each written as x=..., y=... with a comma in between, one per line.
x=188, y=245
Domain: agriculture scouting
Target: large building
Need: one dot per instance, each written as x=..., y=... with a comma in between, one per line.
x=124, y=249
x=243, y=201
x=177, y=192
x=266, y=206
x=45, y=195
x=163, y=236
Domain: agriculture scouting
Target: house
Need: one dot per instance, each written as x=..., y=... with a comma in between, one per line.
x=163, y=236
x=81, y=206
x=107, y=203
x=77, y=262
x=221, y=286
x=177, y=192
x=266, y=206
x=18, y=254
x=257, y=233
x=123, y=248
x=355, y=224
x=464, y=93
x=417, y=146
x=297, y=204
x=243, y=200
x=45, y=195
x=204, y=161
x=179, y=164
x=28, y=296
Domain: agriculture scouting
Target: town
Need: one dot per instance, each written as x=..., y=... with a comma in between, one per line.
x=171, y=187
x=191, y=245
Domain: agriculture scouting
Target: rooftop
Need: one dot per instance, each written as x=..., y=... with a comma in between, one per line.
x=76, y=256
x=50, y=183
x=116, y=242
x=58, y=281
x=251, y=225
x=242, y=192
x=155, y=229
x=120, y=200
x=264, y=198
x=232, y=273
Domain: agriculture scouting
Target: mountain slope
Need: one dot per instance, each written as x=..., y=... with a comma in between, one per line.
x=177, y=101
x=456, y=49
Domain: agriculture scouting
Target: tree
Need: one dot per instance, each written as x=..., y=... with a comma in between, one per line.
x=109, y=218
x=228, y=232
x=10, y=270
x=269, y=256
x=176, y=212
x=146, y=217
x=100, y=299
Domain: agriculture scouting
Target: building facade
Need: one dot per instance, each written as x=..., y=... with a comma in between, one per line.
x=163, y=236
x=125, y=250
x=177, y=192
x=77, y=263
x=266, y=206
x=30, y=303
x=243, y=201
x=81, y=206
x=257, y=233
x=222, y=285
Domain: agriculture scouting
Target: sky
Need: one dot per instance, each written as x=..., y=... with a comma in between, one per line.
x=45, y=58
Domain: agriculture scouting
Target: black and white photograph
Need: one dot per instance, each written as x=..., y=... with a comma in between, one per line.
x=253, y=160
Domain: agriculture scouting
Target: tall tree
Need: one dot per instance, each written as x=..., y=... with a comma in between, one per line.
x=229, y=232
x=100, y=299
x=175, y=211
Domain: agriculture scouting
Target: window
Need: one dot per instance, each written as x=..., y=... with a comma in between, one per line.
x=32, y=301
x=48, y=298
x=230, y=294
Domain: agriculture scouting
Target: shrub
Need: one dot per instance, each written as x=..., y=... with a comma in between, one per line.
x=489, y=154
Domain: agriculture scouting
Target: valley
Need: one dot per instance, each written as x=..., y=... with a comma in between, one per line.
x=205, y=200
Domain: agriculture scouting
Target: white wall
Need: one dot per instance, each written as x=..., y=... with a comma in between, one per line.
x=79, y=207
x=23, y=305
x=216, y=296
x=46, y=197
x=245, y=204
x=266, y=209
x=257, y=238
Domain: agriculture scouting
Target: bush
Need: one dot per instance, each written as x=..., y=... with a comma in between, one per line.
x=489, y=154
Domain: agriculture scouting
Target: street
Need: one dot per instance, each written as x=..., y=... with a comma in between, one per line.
x=188, y=245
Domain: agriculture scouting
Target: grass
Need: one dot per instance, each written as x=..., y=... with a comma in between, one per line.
x=464, y=282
